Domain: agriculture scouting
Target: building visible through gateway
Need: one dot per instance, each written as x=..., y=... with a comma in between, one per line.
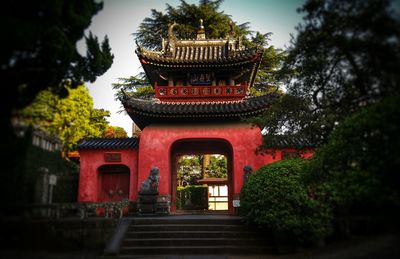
x=201, y=98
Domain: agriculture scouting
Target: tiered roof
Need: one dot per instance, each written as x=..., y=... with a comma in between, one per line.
x=145, y=112
x=214, y=76
x=200, y=53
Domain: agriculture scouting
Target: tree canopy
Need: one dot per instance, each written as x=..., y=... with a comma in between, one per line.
x=346, y=56
x=40, y=50
x=191, y=168
x=187, y=17
x=216, y=25
x=71, y=119
x=115, y=132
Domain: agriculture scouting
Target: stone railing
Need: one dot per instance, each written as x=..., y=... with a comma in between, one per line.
x=81, y=209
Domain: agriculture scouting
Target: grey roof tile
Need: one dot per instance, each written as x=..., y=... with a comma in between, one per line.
x=287, y=141
x=109, y=143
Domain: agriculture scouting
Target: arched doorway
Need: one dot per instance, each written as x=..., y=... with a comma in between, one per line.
x=113, y=182
x=198, y=147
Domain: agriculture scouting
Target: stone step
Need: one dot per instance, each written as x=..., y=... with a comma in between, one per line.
x=188, y=236
x=194, y=250
x=182, y=241
x=187, y=221
x=185, y=227
x=191, y=234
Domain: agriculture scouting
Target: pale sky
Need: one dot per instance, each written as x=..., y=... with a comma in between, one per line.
x=120, y=18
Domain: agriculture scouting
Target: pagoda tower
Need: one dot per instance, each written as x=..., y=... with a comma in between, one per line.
x=201, y=98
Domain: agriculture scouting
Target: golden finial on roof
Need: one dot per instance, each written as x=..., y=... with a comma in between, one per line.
x=201, y=35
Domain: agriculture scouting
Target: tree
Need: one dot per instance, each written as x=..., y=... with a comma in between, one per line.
x=218, y=167
x=345, y=57
x=358, y=167
x=269, y=76
x=71, y=119
x=187, y=17
x=115, y=132
x=41, y=49
x=138, y=86
x=188, y=170
x=277, y=198
x=40, y=52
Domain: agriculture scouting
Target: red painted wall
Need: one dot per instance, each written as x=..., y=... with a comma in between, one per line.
x=273, y=155
x=155, y=149
x=156, y=141
x=92, y=160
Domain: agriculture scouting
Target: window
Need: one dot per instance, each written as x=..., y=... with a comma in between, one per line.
x=218, y=197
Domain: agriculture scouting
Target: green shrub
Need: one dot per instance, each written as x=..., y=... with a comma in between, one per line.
x=358, y=168
x=276, y=197
x=192, y=197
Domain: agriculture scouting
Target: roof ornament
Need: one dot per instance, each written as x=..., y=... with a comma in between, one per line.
x=163, y=44
x=124, y=95
x=201, y=24
x=201, y=34
x=169, y=47
x=171, y=34
x=138, y=46
x=232, y=31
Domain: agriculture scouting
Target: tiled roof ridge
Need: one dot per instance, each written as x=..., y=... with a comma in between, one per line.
x=181, y=55
x=295, y=140
x=109, y=143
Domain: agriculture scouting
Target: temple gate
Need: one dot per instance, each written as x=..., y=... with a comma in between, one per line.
x=201, y=98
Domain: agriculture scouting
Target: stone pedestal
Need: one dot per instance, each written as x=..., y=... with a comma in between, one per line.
x=163, y=204
x=147, y=203
x=150, y=204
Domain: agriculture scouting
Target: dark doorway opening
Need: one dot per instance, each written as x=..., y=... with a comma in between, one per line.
x=201, y=176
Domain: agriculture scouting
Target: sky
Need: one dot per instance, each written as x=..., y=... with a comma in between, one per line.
x=120, y=18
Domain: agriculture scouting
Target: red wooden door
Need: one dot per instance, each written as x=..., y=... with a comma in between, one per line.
x=114, y=186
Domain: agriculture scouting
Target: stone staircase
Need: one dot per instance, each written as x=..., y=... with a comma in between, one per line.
x=187, y=235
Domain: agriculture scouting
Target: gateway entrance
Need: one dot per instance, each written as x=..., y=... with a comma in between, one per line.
x=201, y=175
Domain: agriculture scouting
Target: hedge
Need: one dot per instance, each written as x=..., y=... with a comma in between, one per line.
x=192, y=197
x=277, y=198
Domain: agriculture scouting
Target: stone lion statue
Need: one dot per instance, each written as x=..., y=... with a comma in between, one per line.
x=150, y=185
x=248, y=170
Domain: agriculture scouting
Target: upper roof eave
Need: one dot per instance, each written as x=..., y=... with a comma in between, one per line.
x=239, y=57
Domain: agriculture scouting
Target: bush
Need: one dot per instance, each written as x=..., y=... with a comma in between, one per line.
x=276, y=197
x=192, y=197
x=358, y=168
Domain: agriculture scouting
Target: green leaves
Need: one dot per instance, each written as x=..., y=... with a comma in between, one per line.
x=41, y=49
x=345, y=56
x=72, y=118
x=277, y=197
x=187, y=16
x=137, y=86
x=218, y=167
x=358, y=167
x=98, y=59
